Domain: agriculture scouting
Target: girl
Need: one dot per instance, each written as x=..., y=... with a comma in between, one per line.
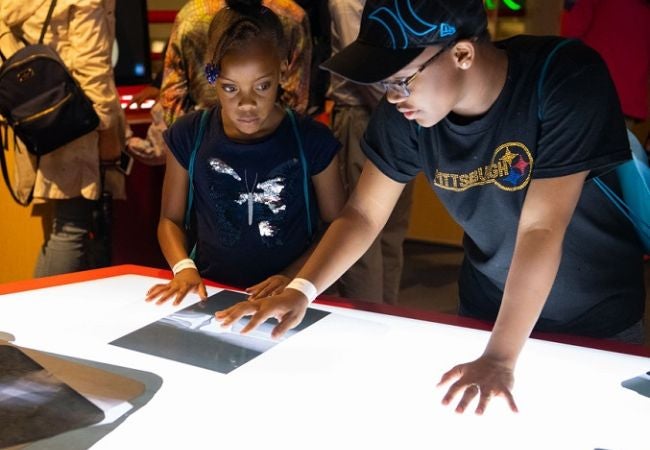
x=261, y=175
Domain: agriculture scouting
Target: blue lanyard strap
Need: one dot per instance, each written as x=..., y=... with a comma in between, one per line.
x=190, y=169
x=303, y=162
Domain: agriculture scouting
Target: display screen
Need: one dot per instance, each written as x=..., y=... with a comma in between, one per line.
x=356, y=378
x=131, y=54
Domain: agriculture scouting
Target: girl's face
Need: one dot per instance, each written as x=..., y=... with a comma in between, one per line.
x=247, y=88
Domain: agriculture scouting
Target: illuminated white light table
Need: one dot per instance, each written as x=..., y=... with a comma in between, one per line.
x=356, y=379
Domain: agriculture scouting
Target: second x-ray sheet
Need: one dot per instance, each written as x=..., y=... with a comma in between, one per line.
x=193, y=335
x=35, y=404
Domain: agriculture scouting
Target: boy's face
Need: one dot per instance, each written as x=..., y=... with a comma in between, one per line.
x=434, y=91
x=247, y=88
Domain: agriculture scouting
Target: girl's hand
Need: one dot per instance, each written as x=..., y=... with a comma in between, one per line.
x=184, y=281
x=485, y=377
x=273, y=285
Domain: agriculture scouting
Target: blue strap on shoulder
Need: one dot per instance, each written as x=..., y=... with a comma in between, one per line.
x=634, y=175
x=540, y=82
x=305, y=172
x=190, y=170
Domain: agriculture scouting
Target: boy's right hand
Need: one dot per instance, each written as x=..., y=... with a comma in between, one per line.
x=184, y=281
x=288, y=308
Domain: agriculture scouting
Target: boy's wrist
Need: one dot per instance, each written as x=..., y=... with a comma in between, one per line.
x=304, y=286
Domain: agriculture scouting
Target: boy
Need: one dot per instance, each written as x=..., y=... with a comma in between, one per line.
x=510, y=135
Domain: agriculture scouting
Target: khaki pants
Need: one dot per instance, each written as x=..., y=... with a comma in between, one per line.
x=376, y=276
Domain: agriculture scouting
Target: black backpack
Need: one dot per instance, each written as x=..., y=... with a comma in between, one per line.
x=40, y=100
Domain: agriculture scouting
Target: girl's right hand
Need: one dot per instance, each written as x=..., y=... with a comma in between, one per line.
x=273, y=285
x=184, y=281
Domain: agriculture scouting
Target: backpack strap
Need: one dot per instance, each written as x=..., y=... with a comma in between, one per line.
x=18, y=35
x=303, y=163
x=623, y=207
x=639, y=159
x=17, y=38
x=8, y=32
x=642, y=226
x=4, y=130
x=542, y=75
x=47, y=21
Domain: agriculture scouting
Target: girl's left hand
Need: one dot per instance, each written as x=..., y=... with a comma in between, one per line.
x=271, y=286
x=188, y=280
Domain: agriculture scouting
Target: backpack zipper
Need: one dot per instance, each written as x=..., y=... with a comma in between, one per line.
x=25, y=61
x=44, y=112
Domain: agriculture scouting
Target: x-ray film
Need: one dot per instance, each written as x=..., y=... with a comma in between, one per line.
x=34, y=404
x=639, y=384
x=193, y=335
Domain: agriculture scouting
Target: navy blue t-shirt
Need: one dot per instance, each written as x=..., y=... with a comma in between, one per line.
x=481, y=171
x=251, y=213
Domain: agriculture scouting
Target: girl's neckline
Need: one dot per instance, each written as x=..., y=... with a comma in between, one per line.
x=256, y=140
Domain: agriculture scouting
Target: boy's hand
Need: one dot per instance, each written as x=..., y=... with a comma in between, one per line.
x=484, y=377
x=288, y=308
x=184, y=281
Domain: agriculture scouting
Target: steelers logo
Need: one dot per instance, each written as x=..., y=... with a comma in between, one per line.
x=517, y=158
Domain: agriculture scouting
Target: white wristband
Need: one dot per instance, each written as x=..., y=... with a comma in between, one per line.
x=304, y=286
x=183, y=264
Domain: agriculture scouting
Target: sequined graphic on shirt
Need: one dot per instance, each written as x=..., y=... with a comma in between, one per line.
x=243, y=200
x=510, y=170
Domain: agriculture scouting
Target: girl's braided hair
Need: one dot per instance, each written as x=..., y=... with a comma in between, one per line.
x=237, y=25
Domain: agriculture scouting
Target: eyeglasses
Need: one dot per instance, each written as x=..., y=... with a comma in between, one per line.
x=401, y=87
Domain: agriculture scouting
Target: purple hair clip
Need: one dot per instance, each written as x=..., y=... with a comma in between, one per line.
x=211, y=73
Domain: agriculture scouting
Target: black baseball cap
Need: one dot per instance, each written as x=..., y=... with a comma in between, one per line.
x=394, y=32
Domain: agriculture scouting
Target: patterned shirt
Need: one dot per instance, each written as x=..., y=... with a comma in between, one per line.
x=184, y=86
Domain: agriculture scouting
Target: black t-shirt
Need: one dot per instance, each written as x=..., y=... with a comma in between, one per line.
x=568, y=123
x=251, y=213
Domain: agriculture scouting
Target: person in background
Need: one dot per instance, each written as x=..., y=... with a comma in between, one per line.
x=151, y=149
x=510, y=135
x=79, y=176
x=184, y=87
x=620, y=31
x=264, y=177
x=319, y=25
x=376, y=275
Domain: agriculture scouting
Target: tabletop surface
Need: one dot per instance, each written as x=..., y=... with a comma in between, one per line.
x=351, y=379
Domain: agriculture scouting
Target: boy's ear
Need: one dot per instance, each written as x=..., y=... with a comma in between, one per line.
x=464, y=54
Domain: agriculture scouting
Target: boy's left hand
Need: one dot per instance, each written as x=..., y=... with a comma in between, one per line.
x=273, y=285
x=484, y=377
